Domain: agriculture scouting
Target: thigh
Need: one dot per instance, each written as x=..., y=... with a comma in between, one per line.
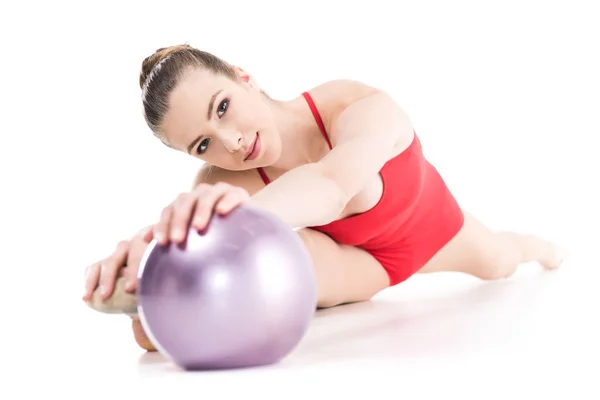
x=345, y=274
x=470, y=251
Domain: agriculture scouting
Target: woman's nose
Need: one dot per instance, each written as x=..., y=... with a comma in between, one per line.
x=233, y=142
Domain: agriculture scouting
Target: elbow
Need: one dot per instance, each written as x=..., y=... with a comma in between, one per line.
x=333, y=204
x=343, y=197
x=342, y=201
x=333, y=197
x=339, y=197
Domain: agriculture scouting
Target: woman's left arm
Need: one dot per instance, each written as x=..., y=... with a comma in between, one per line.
x=363, y=138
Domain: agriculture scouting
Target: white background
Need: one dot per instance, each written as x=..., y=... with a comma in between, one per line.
x=504, y=96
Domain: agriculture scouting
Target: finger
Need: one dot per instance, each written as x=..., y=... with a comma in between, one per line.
x=148, y=234
x=161, y=229
x=92, y=274
x=134, y=258
x=231, y=200
x=130, y=275
x=182, y=214
x=110, y=267
x=206, y=203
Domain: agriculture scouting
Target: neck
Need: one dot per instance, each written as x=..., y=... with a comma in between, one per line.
x=296, y=127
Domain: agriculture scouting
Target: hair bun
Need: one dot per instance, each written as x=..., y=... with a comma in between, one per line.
x=160, y=54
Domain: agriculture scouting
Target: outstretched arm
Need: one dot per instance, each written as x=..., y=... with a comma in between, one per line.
x=363, y=138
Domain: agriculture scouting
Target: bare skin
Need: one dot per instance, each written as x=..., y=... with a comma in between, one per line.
x=290, y=139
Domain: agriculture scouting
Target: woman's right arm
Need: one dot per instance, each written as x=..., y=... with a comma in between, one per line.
x=125, y=259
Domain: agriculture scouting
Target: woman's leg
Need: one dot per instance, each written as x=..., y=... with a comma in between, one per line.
x=122, y=302
x=344, y=274
x=140, y=336
x=486, y=254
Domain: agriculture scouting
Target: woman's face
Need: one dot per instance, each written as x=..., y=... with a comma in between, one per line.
x=224, y=123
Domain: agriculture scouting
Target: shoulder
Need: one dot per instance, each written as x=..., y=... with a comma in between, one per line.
x=247, y=179
x=340, y=93
x=332, y=97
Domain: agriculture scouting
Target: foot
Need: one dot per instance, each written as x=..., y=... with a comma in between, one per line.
x=554, y=256
x=121, y=301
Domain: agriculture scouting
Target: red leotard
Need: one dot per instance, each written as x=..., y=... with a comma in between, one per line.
x=415, y=217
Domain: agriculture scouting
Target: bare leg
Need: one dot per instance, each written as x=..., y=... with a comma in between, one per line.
x=140, y=336
x=479, y=251
x=122, y=302
x=344, y=274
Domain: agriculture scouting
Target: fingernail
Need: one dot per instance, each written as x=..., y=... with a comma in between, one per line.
x=103, y=290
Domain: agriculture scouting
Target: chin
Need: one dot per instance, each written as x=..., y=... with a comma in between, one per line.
x=238, y=167
x=269, y=157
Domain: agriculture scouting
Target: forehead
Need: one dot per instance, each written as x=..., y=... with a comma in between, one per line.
x=188, y=105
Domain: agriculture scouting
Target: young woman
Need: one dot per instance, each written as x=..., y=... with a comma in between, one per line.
x=340, y=163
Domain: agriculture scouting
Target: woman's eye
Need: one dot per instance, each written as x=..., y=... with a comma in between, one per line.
x=222, y=107
x=203, y=146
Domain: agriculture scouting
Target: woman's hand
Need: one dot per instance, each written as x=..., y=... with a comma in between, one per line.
x=195, y=208
x=124, y=261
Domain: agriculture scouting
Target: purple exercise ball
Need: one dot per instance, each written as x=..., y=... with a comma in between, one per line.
x=240, y=294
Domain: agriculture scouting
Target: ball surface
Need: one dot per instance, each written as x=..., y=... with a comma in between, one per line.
x=240, y=294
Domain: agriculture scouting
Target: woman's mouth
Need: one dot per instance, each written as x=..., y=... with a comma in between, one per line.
x=254, y=149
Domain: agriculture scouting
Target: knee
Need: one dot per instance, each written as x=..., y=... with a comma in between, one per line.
x=496, y=262
x=494, y=272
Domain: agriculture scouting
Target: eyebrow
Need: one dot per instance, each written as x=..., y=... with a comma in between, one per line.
x=211, y=104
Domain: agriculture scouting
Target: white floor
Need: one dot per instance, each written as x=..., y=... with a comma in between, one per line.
x=449, y=335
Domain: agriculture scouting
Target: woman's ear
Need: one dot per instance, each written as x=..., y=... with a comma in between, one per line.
x=245, y=77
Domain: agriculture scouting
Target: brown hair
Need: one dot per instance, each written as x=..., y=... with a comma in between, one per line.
x=162, y=71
